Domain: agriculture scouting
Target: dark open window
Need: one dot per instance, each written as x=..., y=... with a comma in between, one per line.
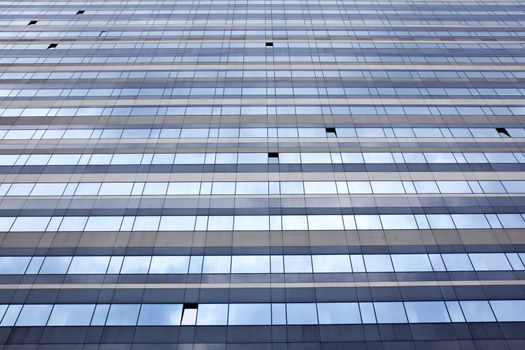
x=189, y=314
x=269, y=43
x=80, y=12
x=32, y=23
x=331, y=131
x=52, y=46
x=273, y=155
x=503, y=131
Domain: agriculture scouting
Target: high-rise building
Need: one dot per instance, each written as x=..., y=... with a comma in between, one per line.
x=248, y=174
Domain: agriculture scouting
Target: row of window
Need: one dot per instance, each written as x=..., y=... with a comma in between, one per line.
x=387, y=59
x=386, y=312
x=260, y=222
x=265, y=74
x=259, y=188
x=277, y=44
x=260, y=264
x=267, y=110
x=285, y=132
x=260, y=91
x=260, y=158
x=367, y=34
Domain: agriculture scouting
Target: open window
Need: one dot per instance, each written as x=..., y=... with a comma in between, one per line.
x=503, y=131
x=80, y=12
x=331, y=132
x=189, y=314
x=31, y=23
x=52, y=46
x=269, y=44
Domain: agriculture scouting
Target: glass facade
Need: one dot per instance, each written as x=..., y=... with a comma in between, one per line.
x=225, y=175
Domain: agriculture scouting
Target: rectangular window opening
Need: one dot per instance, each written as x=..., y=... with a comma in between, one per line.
x=273, y=155
x=269, y=44
x=32, y=23
x=189, y=314
x=80, y=12
x=331, y=131
x=52, y=46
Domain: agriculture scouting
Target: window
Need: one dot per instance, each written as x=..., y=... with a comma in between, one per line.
x=89, y=265
x=32, y=23
x=378, y=263
x=55, y=265
x=160, y=314
x=189, y=314
x=123, y=315
x=71, y=315
x=249, y=314
x=13, y=264
x=169, y=264
x=212, y=314
x=338, y=313
x=509, y=310
x=331, y=263
x=34, y=315
x=477, y=311
x=251, y=264
x=52, y=46
x=103, y=223
x=297, y=264
x=301, y=313
x=411, y=262
x=135, y=264
x=489, y=261
x=426, y=312
x=216, y=264
x=457, y=262
x=390, y=312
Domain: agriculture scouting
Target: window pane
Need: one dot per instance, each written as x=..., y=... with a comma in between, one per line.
x=411, y=262
x=331, y=263
x=477, y=311
x=440, y=221
x=301, y=313
x=338, y=313
x=251, y=264
x=71, y=315
x=471, y=221
x=13, y=264
x=426, y=311
x=297, y=264
x=103, y=223
x=489, y=261
x=89, y=265
x=34, y=315
x=135, y=264
x=368, y=222
x=249, y=314
x=378, y=263
x=390, y=312
x=123, y=315
x=55, y=265
x=457, y=262
x=216, y=264
x=212, y=314
x=398, y=222
x=177, y=223
x=325, y=222
x=294, y=222
x=30, y=224
x=160, y=314
x=252, y=223
x=169, y=264
x=509, y=310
